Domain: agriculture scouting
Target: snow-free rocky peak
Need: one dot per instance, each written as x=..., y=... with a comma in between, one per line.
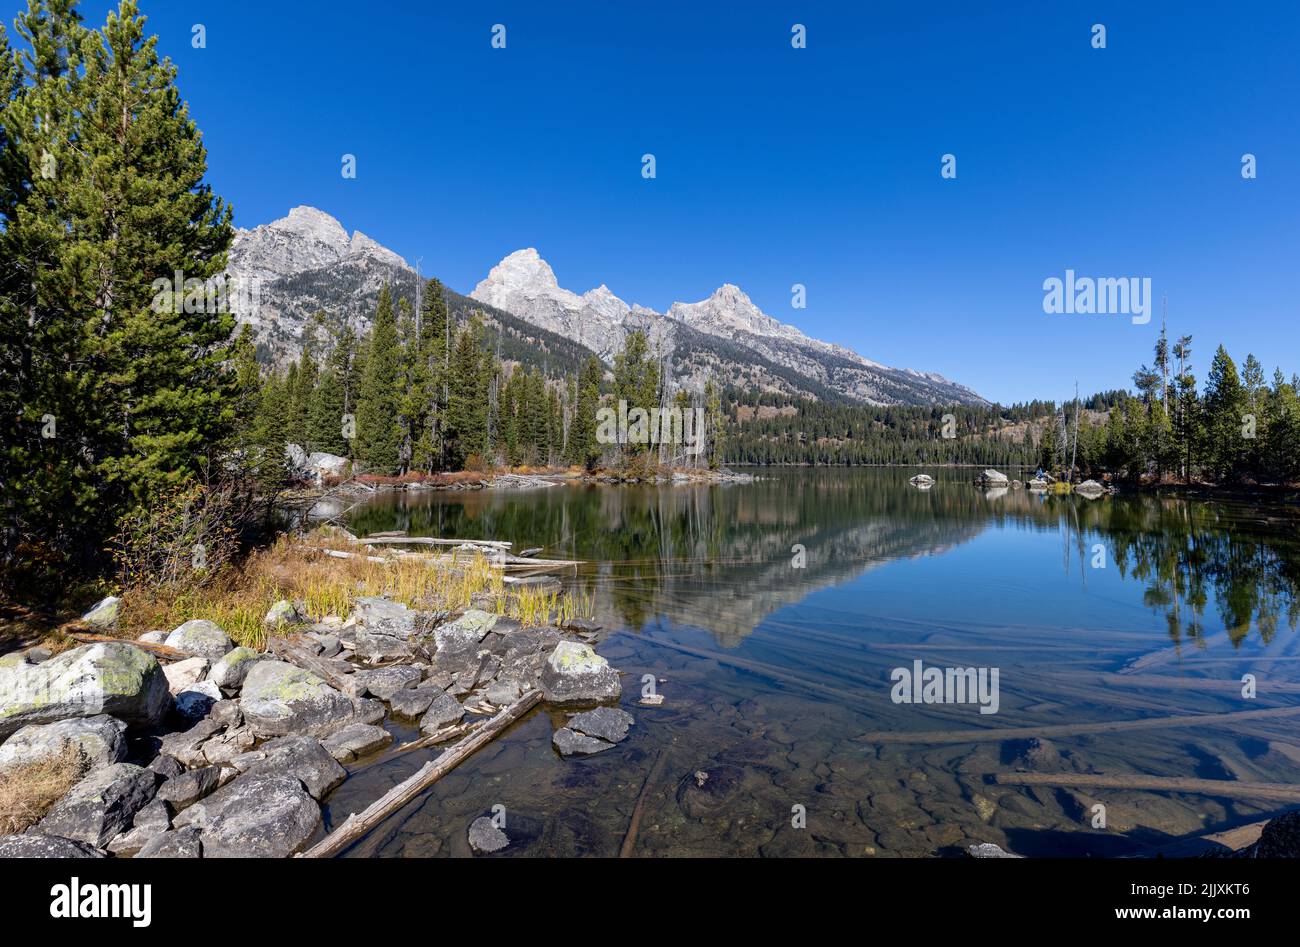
x=306, y=239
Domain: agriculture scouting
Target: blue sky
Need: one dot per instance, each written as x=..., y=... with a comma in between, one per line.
x=779, y=166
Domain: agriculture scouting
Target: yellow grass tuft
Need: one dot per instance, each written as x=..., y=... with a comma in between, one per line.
x=28, y=792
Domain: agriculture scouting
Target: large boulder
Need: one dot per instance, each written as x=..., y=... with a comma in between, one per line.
x=260, y=816
x=303, y=758
x=103, y=614
x=575, y=674
x=230, y=671
x=201, y=637
x=114, y=678
x=99, y=741
x=45, y=846
x=102, y=805
x=994, y=478
x=384, y=628
x=279, y=698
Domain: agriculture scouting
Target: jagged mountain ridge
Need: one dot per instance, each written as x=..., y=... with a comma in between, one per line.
x=307, y=262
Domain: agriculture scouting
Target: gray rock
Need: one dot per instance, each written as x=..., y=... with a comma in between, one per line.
x=197, y=700
x=178, y=843
x=187, y=745
x=99, y=741
x=354, y=740
x=279, y=698
x=261, y=816
x=153, y=637
x=230, y=671
x=330, y=645
x=189, y=787
x=303, y=758
x=225, y=747
x=1279, y=839
x=45, y=846
x=581, y=626
x=503, y=692
x=444, y=710
x=150, y=822
x=989, y=850
x=386, y=682
x=414, y=701
x=576, y=674
x=227, y=713
x=104, y=612
x=283, y=614
x=577, y=744
x=372, y=646
x=200, y=637
x=485, y=837
x=167, y=766
x=182, y=674
x=368, y=710
x=102, y=805
x=114, y=678
x=382, y=616
x=607, y=723
x=467, y=630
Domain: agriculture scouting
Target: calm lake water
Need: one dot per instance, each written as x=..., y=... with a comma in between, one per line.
x=777, y=678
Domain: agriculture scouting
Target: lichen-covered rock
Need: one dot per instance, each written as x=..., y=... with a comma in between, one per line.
x=279, y=698
x=502, y=692
x=576, y=674
x=282, y=614
x=229, y=672
x=444, y=710
x=99, y=741
x=103, y=614
x=385, y=682
x=303, y=758
x=486, y=837
x=261, y=816
x=45, y=846
x=114, y=678
x=201, y=637
x=468, y=629
x=102, y=805
x=570, y=743
x=383, y=616
x=354, y=740
x=177, y=843
x=606, y=723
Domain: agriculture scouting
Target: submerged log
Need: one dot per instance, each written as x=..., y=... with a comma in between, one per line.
x=357, y=825
x=1227, y=788
x=629, y=840
x=1073, y=729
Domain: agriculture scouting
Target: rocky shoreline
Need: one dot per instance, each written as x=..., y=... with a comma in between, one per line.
x=189, y=746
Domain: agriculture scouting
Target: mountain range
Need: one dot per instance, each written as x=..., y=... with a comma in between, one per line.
x=307, y=262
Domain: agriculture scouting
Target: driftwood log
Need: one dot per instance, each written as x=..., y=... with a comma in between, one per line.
x=358, y=824
x=157, y=650
x=1227, y=788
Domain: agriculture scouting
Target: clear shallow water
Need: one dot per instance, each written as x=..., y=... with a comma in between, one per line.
x=777, y=679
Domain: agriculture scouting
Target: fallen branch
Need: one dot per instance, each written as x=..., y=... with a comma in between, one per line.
x=357, y=825
x=629, y=840
x=1073, y=729
x=157, y=650
x=1226, y=788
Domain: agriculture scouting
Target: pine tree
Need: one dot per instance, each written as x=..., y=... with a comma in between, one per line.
x=134, y=375
x=467, y=401
x=335, y=395
x=379, y=435
x=1225, y=402
x=583, y=447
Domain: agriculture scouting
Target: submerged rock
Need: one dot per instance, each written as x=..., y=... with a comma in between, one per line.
x=102, y=805
x=989, y=850
x=485, y=837
x=201, y=637
x=261, y=816
x=574, y=673
x=606, y=723
x=570, y=743
x=114, y=678
x=99, y=741
x=709, y=789
x=279, y=698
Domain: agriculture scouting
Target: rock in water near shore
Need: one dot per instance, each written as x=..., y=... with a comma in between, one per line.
x=279, y=698
x=570, y=743
x=100, y=741
x=485, y=837
x=261, y=816
x=444, y=710
x=576, y=674
x=45, y=846
x=102, y=805
x=384, y=683
x=1090, y=489
x=112, y=678
x=201, y=637
x=357, y=739
x=104, y=612
x=230, y=671
x=706, y=791
x=989, y=850
x=992, y=478
x=605, y=723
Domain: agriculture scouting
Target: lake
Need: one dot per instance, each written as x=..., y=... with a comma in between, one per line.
x=779, y=617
